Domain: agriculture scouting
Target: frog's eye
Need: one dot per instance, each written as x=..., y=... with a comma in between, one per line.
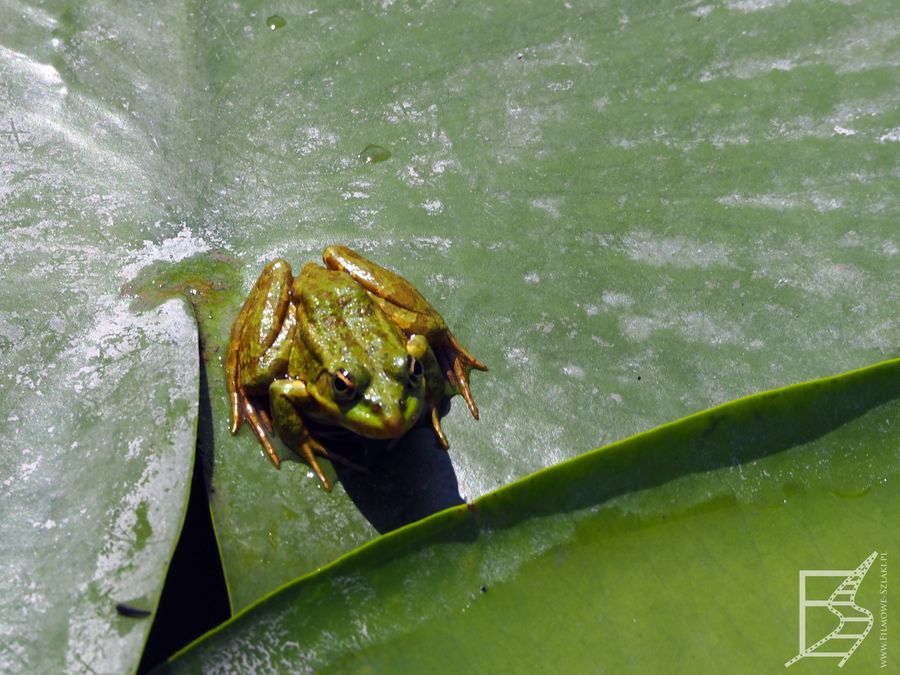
x=414, y=369
x=343, y=385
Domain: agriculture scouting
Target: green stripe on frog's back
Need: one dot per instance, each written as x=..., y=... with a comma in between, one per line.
x=342, y=325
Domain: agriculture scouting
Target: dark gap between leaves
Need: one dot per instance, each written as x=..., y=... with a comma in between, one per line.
x=194, y=597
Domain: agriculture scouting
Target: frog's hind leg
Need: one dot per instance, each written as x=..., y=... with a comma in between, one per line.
x=251, y=339
x=412, y=313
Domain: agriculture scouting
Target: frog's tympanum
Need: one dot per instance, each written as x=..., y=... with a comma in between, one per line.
x=349, y=345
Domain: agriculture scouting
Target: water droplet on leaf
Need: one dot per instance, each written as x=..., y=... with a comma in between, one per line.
x=275, y=22
x=372, y=154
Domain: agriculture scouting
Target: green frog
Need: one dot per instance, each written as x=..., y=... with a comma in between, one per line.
x=349, y=345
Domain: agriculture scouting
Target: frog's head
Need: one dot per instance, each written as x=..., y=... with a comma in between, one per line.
x=378, y=397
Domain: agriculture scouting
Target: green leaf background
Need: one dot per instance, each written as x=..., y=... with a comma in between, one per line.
x=630, y=211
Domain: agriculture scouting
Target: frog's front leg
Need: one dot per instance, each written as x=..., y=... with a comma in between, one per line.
x=413, y=314
x=259, y=348
x=287, y=396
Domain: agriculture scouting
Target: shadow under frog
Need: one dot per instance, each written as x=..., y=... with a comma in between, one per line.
x=398, y=482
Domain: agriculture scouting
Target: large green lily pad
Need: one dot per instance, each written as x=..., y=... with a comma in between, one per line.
x=629, y=214
x=681, y=545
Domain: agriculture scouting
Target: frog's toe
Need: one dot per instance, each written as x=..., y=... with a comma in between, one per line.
x=308, y=451
x=236, y=418
x=461, y=371
x=256, y=419
x=436, y=425
x=234, y=389
x=463, y=354
x=266, y=420
x=456, y=363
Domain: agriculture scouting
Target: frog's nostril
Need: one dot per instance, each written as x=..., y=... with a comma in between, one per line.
x=376, y=408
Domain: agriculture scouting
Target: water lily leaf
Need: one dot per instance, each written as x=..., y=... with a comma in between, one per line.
x=95, y=480
x=690, y=536
x=630, y=213
x=99, y=403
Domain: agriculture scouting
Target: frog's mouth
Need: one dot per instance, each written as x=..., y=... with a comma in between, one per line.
x=380, y=421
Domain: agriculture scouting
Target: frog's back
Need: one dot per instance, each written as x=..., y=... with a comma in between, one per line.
x=338, y=317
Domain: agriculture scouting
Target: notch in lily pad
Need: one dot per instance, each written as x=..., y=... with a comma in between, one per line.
x=372, y=154
x=206, y=280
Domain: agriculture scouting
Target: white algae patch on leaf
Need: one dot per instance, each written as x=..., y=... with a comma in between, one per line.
x=677, y=251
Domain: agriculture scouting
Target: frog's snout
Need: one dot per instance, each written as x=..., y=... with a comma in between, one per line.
x=390, y=420
x=393, y=421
